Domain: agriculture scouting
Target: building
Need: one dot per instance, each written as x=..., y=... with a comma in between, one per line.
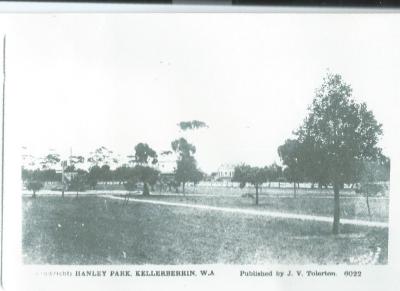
x=225, y=172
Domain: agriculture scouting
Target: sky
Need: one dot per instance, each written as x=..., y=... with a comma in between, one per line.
x=84, y=81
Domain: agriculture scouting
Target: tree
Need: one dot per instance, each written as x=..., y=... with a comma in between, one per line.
x=78, y=182
x=291, y=155
x=144, y=158
x=105, y=173
x=94, y=176
x=187, y=171
x=102, y=156
x=50, y=160
x=186, y=165
x=193, y=124
x=122, y=174
x=145, y=155
x=254, y=175
x=341, y=133
x=370, y=173
x=183, y=148
x=28, y=160
x=275, y=173
x=34, y=186
x=76, y=160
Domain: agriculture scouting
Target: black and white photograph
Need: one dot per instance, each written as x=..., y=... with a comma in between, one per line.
x=203, y=139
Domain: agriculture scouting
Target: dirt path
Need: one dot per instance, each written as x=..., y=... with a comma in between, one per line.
x=262, y=195
x=256, y=212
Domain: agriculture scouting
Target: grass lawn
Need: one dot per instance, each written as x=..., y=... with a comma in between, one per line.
x=95, y=230
x=351, y=207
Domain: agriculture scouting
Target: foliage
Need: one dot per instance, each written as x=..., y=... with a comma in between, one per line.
x=187, y=171
x=47, y=175
x=78, y=183
x=183, y=148
x=102, y=156
x=76, y=160
x=122, y=174
x=291, y=155
x=339, y=133
x=193, y=124
x=186, y=165
x=144, y=154
x=254, y=175
x=50, y=160
x=274, y=172
x=34, y=186
x=94, y=176
x=146, y=174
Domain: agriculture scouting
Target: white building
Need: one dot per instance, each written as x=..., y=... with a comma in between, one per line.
x=225, y=172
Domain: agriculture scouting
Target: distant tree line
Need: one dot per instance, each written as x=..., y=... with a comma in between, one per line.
x=139, y=173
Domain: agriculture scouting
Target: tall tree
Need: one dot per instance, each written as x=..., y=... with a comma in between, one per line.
x=342, y=131
x=144, y=159
x=186, y=164
x=187, y=171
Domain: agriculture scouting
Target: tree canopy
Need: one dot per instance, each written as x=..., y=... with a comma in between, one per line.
x=142, y=171
x=144, y=154
x=186, y=165
x=338, y=133
x=193, y=124
x=253, y=175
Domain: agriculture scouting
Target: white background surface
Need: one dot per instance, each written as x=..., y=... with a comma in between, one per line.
x=226, y=69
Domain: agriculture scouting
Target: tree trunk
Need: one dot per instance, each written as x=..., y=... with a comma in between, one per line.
x=62, y=193
x=183, y=188
x=294, y=189
x=279, y=184
x=336, y=208
x=146, y=191
x=256, y=194
x=34, y=194
x=369, y=210
x=126, y=198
